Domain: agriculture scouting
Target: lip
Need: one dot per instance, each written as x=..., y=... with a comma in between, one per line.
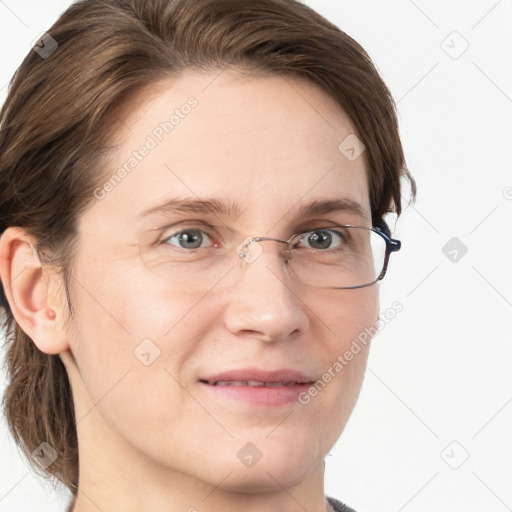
x=297, y=382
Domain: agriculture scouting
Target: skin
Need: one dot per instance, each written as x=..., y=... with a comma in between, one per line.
x=151, y=438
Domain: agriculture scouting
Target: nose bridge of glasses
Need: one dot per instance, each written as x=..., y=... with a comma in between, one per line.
x=249, y=251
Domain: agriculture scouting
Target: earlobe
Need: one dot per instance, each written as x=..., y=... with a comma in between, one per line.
x=26, y=286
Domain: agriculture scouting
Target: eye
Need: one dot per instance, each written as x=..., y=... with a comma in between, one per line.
x=187, y=239
x=322, y=239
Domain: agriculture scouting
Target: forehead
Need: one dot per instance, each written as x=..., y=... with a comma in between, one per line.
x=269, y=143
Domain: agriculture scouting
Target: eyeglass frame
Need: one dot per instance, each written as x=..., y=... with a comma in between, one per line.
x=382, y=229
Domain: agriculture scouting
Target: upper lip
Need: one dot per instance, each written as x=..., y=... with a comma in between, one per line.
x=246, y=374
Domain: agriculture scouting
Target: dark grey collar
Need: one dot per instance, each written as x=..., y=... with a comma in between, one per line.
x=339, y=506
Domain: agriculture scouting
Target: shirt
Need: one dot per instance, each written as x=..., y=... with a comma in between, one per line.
x=338, y=506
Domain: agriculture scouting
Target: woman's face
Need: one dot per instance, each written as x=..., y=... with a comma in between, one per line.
x=146, y=335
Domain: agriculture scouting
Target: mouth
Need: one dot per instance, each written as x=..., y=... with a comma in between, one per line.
x=258, y=387
x=252, y=383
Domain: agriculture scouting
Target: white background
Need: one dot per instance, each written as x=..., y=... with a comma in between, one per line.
x=439, y=381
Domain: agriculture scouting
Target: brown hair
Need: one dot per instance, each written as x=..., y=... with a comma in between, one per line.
x=61, y=112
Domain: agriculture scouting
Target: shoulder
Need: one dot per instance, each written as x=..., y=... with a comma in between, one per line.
x=339, y=506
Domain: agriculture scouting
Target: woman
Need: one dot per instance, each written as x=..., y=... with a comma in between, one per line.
x=165, y=350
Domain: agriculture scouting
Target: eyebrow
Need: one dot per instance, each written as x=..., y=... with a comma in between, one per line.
x=233, y=209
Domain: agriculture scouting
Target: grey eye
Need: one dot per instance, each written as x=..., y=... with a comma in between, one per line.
x=188, y=239
x=322, y=239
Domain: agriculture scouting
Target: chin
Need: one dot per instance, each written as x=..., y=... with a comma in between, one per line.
x=266, y=479
x=282, y=465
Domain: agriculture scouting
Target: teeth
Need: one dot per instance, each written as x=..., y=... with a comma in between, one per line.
x=252, y=383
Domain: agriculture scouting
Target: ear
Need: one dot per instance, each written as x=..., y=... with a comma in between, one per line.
x=39, y=313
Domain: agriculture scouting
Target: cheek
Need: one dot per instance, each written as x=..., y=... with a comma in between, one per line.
x=351, y=319
x=347, y=315
x=120, y=325
x=129, y=342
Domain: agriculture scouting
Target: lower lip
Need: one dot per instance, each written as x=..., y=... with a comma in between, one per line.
x=260, y=395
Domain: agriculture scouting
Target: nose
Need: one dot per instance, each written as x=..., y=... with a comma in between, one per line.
x=264, y=302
